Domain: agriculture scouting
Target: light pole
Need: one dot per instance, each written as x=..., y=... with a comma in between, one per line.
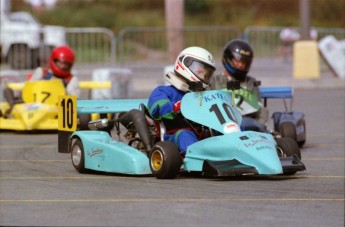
x=305, y=19
x=174, y=15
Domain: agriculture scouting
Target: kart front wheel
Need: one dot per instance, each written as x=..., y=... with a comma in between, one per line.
x=165, y=160
x=77, y=156
x=288, y=147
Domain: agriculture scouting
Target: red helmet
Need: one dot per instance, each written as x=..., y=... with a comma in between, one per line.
x=64, y=55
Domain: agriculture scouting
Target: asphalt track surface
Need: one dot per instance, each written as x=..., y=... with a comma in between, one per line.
x=39, y=186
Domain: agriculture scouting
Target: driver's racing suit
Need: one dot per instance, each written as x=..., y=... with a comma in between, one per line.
x=161, y=107
x=71, y=83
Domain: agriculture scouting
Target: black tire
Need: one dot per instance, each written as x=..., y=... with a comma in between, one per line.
x=301, y=143
x=287, y=130
x=77, y=156
x=287, y=147
x=84, y=120
x=165, y=160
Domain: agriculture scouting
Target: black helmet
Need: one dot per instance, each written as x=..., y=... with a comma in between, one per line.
x=240, y=51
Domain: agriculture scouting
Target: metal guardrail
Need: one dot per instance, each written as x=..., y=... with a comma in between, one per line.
x=92, y=45
x=265, y=40
x=99, y=47
x=139, y=44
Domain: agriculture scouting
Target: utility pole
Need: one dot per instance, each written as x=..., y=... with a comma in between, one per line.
x=174, y=16
x=306, y=64
x=304, y=11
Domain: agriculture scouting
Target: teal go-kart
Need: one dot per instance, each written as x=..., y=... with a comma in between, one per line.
x=227, y=151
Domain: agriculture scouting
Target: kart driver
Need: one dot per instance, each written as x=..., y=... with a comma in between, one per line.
x=193, y=69
x=61, y=61
x=237, y=58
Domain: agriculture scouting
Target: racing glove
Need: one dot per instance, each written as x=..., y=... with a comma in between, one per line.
x=177, y=106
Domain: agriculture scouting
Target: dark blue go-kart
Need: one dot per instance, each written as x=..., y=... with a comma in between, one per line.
x=227, y=151
x=287, y=123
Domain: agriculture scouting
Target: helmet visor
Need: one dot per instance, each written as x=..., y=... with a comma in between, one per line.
x=241, y=62
x=202, y=71
x=62, y=65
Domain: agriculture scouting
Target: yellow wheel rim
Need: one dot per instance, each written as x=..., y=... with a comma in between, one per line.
x=156, y=160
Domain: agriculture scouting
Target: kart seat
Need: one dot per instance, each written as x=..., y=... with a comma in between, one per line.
x=138, y=119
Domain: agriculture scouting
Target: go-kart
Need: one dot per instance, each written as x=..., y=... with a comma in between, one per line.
x=228, y=151
x=288, y=123
x=36, y=109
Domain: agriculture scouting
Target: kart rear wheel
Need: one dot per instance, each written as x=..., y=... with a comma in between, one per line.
x=287, y=147
x=287, y=130
x=77, y=156
x=301, y=143
x=165, y=160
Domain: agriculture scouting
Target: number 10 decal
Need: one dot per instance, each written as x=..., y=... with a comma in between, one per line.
x=215, y=108
x=67, y=113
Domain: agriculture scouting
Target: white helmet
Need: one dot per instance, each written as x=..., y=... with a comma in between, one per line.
x=194, y=66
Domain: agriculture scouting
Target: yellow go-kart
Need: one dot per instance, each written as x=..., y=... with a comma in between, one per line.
x=38, y=109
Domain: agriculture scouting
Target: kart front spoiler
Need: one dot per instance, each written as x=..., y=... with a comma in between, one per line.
x=292, y=164
x=227, y=168
x=235, y=168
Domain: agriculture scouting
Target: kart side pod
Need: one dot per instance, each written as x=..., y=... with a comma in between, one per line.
x=241, y=153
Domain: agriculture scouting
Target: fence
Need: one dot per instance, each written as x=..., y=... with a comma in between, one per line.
x=91, y=46
x=134, y=47
x=265, y=40
x=136, y=44
x=140, y=44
